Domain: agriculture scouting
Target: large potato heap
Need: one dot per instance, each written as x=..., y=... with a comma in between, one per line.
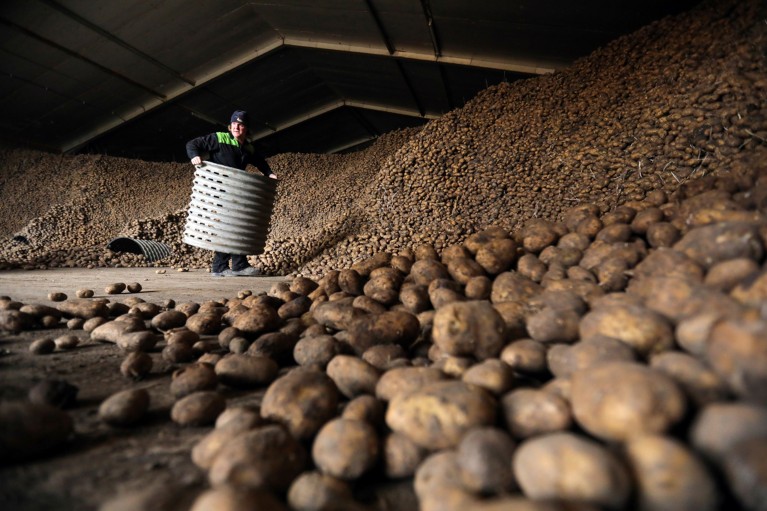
x=606, y=361
x=676, y=100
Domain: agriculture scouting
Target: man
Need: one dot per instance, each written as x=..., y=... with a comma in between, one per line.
x=233, y=150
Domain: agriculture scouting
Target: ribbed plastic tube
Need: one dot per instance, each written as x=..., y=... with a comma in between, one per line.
x=229, y=210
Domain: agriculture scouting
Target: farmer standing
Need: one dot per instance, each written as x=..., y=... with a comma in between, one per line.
x=231, y=149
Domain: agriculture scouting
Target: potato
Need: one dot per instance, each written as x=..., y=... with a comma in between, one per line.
x=143, y=340
x=42, y=346
x=265, y=457
x=337, y=315
x=369, y=305
x=303, y=285
x=345, y=448
x=245, y=371
x=275, y=345
x=444, y=291
x=83, y=308
x=124, y=408
x=315, y=490
x=745, y=472
x=737, y=352
x=75, y=324
x=415, y=298
x=513, y=287
x=678, y=298
x=425, y=251
x=647, y=332
x=656, y=460
x=39, y=311
x=352, y=376
x=525, y=356
x=401, y=456
x=303, y=400
x=178, y=353
x=621, y=400
x=483, y=461
x=565, y=360
x=113, y=330
x=720, y=427
x=726, y=275
x=198, y=408
x=351, y=282
x=492, y=375
x=424, y=271
x=294, y=308
x=537, y=234
x=645, y=218
x=168, y=320
x=531, y=412
x=567, y=467
x=316, y=350
x=553, y=326
x=136, y=365
x=84, y=293
x=711, y=244
x=31, y=430
x=90, y=325
x=406, y=380
x=390, y=327
x=57, y=296
x=115, y=289
x=477, y=288
x=116, y=309
x=383, y=285
x=530, y=267
x=56, y=393
x=437, y=483
x=456, y=407
x=383, y=355
x=496, y=255
x=66, y=342
x=701, y=384
x=233, y=498
x=366, y=266
x=193, y=378
x=188, y=308
x=662, y=234
x=181, y=335
x=204, y=323
x=469, y=328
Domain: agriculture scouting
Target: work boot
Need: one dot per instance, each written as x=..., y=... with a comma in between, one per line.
x=248, y=271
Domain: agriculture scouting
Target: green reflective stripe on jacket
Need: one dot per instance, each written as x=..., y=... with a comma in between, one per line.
x=227, y=138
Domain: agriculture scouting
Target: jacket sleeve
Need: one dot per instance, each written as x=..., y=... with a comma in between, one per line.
x=201, y=145
x=258, y=161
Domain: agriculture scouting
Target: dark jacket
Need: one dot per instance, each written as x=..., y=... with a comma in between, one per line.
x=224, y=149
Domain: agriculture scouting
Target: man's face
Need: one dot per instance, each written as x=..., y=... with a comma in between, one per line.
x=238, y=130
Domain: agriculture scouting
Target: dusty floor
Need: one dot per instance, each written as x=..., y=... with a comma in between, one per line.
x=101, y=461
x=195, y=285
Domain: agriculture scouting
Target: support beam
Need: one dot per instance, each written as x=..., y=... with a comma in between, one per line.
x=355, y=143
x=329, y=107
x=232, y=61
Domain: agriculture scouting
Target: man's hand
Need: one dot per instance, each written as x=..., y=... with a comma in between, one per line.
x=196, y=160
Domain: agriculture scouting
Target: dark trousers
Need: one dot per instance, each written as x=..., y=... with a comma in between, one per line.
x=221, y=262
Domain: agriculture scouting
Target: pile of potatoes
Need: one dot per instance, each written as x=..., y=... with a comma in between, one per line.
x=681, y=98
x=606, y=361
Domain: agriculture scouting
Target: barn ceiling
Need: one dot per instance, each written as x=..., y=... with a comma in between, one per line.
x=139, y=78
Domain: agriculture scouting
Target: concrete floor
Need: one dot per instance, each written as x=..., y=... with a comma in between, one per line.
x=33, y=286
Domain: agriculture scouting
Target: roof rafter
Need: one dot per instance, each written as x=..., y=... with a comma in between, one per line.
x=237, y=59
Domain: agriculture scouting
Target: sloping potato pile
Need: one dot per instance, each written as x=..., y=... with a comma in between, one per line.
x=564, y=330
x=678, y=99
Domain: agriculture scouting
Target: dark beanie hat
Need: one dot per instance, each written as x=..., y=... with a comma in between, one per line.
x=240, y=116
